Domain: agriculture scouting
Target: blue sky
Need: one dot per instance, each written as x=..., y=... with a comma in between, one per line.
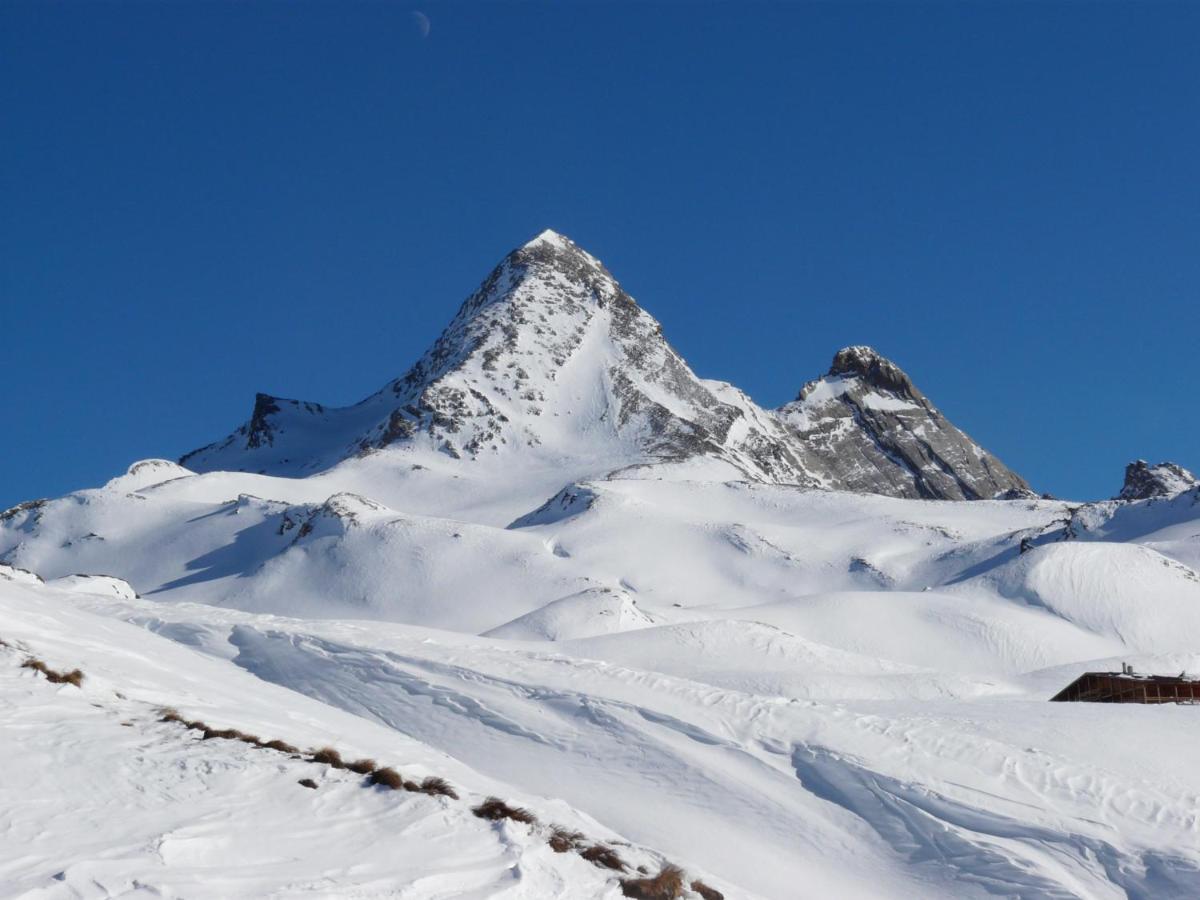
x=199, y=201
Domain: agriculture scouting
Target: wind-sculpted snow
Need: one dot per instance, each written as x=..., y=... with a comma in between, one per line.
x=102, y=799
x=965, y=793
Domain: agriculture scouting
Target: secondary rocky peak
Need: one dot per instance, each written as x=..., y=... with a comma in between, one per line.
x=1166, y=479
x=865, y=362
x=868, y=428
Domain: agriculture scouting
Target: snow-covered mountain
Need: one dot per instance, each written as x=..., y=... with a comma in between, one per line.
x=552, y=564
x=549, y=359
x=551, y=362
x=866, y=427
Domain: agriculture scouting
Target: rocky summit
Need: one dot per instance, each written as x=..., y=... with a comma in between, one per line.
x=866, y=427
x=1145, y=482
x=551, y=360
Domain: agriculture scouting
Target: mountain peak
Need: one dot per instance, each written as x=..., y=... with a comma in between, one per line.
x=867, y=363
x=549, y=359
x=1144, y=481
x=550, y=237
x=868, y=428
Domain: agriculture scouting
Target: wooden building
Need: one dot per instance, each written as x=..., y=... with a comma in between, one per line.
x=1127, y=686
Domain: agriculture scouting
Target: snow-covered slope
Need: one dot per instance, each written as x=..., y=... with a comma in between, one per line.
x=688, y=739
x=101, y=798
x=553, y=565
x=867, y=427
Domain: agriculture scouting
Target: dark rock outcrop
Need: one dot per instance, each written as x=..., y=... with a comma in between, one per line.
x=1145, y=482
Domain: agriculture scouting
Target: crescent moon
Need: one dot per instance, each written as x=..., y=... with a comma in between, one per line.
x=423, y=23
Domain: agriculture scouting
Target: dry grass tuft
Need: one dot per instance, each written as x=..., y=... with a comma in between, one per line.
x=281, y=746
x=666, y=885
x=387, y=777
x=308, y=783
x=494, y=809
x=563, y=839
x=362, y=766
x=708, y=893
x=170, y=714
x=438, y=787
x=74, y=677
x=603, y=857
x=229, y=734
x=329, y=757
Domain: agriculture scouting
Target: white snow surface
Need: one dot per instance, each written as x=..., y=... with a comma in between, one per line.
x=788, y=692
x=553, y=565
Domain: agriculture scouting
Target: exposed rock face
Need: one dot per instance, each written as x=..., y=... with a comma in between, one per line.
x=549, y=353
x=1144, y=481
x=551, y=360
x=866, y=427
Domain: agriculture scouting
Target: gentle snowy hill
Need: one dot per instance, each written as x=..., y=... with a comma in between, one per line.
x=868, y=428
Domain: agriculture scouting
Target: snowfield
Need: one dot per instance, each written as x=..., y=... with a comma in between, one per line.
x=789, y=692
x=552, y=565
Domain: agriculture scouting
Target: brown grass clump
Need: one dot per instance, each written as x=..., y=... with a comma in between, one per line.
x=329, y=757
x=666, y=885
x=361, y=766
x=308, y=783
x=229, y=734
x=494, y=809
x=74, y=677
x=563, y=839
x=603, y=857
x=438, y=787
x=170, y=714
x=387, y=777
x=281, y=746
x=708, y=893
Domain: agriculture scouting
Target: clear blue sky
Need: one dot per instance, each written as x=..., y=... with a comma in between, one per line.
x=203, y=200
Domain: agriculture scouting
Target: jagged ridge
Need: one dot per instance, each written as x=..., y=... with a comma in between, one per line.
x=552, y=360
